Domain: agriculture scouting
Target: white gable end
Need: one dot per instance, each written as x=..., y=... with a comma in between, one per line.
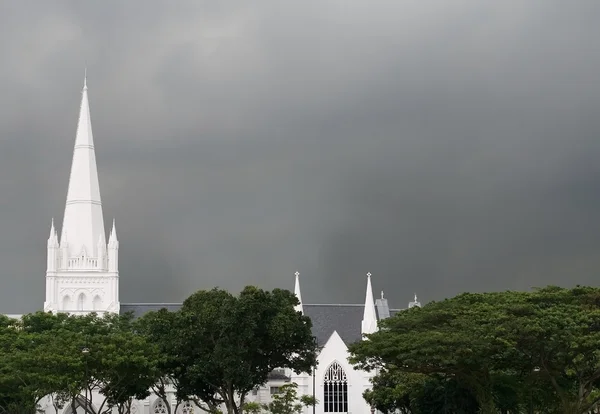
x=335, y=352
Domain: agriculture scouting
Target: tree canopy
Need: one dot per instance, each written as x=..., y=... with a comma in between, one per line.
x=229, y=344
x=213, y=351
x=43, y=355
x=507, y=352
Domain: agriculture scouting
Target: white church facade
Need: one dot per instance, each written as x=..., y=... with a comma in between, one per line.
x=83, y=276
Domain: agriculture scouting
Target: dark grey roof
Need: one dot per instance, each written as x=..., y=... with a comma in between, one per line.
x=139, y=309
x=278, y=374
x=345, y=319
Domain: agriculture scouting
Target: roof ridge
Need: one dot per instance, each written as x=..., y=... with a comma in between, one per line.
x=152, y=303
x=334, y=304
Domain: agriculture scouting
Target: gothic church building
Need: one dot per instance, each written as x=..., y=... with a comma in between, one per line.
x=83, y=276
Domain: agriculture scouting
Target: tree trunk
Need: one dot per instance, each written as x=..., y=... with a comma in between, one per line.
x=486, y=403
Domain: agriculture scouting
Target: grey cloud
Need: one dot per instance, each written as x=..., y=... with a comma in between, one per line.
x=443, y=146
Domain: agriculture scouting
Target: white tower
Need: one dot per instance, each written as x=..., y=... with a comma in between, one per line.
x=83, y=274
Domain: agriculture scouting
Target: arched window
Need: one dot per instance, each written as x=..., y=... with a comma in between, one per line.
x=97, y=303
x=159, y=407
x=66, y=303
x=81, y=302
x=80, y=406
x=335, y=389
x=186, y=408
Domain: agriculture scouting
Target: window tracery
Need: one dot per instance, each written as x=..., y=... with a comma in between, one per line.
x=160, y=407
x=335, y=389
x=187, y=408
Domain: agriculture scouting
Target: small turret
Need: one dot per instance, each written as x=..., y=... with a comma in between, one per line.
x=414, y=303
x=297, y=293
x=369, y=322
x=53, y=238
x=113, y=250
x=53, y=249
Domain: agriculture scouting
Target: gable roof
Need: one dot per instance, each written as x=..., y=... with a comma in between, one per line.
x=345, y=319
x=326, y=318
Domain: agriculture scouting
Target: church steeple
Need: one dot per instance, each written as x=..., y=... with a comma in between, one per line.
x=298, y=294
x=369, y=322
x=82, y=275
x=83, y=220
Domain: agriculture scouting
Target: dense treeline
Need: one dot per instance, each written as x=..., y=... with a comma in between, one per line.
x=509, y=352
x=214, y=351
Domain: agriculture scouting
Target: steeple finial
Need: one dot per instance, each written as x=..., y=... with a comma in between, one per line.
x=369, y=322
x=298, y=307
x=414, y=303
x=85, y=79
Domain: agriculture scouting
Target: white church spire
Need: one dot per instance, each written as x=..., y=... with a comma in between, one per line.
x=82, y=275
x=298, y=307
x=369, y=322
x=83, y=219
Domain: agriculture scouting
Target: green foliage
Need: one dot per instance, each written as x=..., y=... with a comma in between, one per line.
x=215, y=350
x=159, y=328
x=228, y=345
x=506, y=351
x=284, y=402
x=42, y=355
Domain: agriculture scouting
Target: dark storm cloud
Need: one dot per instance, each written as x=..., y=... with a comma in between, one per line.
x=443, y=146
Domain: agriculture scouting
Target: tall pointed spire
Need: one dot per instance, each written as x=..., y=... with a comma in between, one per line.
x=83, y=219
x=298, y=307
x=369, y=322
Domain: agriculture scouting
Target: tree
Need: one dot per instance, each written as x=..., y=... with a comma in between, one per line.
x=495, y=345
x=118, y=361
x=128, y=366
x=557, y=332
x=24, y=376
x=453, y=338
x=228, y=345
x=286, y=401
x=394, y=390
x=159, y=328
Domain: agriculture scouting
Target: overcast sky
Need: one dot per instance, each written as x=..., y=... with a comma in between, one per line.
x=443, y=146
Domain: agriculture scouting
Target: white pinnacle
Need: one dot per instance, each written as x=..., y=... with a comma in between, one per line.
x=83, y=220
x=298, y=307
x=369, y=322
